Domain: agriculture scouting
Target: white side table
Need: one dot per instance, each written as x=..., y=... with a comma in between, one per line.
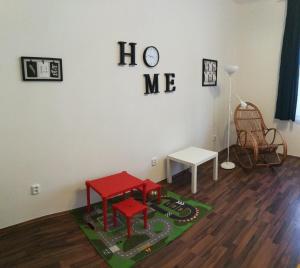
x=193, y=157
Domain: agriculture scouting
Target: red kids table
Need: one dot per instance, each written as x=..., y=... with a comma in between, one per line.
x=110, y=186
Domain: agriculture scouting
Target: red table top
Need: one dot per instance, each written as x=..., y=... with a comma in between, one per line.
x=150, y=186
x=115, y=184
x=130, y=207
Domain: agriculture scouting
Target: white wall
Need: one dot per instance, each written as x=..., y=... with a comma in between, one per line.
x=261, y=33
x=98, y=121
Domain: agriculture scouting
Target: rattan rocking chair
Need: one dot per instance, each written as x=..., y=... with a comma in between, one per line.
x=257, y=145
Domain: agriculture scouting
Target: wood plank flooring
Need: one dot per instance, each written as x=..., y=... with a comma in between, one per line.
x=255, y=223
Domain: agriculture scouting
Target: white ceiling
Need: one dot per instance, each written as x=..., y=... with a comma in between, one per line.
x=254, y=1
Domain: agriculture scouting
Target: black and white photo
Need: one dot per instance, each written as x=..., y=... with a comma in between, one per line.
x=41, y=69
x=209, y=72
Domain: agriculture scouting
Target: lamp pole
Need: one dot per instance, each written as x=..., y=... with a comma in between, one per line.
x=229, y=119
x=230, y=70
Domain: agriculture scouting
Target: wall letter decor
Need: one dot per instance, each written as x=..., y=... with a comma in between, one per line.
x=151, y=87
x=130, y=54
x=170, y=82
x=151, y=56
x=151, y=59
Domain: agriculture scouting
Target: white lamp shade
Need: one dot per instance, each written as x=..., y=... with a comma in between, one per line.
x=231, y=69
x=244, y=105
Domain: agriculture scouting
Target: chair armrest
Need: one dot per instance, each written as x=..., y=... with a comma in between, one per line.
x=282, y=141
x=276, y=133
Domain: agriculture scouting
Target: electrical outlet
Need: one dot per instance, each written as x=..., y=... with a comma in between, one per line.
x=35, y=189
x=214, y=139
x=154, y=161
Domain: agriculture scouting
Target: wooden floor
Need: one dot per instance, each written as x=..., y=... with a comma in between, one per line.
x=255, y=223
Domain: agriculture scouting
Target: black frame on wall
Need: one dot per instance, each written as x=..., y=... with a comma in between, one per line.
x=209, y=73
x=41, y=69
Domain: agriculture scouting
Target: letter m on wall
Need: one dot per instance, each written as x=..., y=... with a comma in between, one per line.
x=151, y=86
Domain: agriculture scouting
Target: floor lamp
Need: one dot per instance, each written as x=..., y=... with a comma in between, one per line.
x=230, y=70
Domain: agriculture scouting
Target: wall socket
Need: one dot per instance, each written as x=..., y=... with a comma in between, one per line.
x=214, y=139
x=154, y=161
x=35, y=189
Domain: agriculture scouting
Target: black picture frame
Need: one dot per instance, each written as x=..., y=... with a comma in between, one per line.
x=41, y=69
x=209, y=73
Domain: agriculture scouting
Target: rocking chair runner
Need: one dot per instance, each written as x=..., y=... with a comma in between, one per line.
x=257, y=145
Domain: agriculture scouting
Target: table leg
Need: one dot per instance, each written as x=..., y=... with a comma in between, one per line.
x=194, y=179
x=128, y=227
x=88, y=199
x=104, y=211
x=145, y=218
x=216, y=166
x=144, y=194
x=169, y=175
x=115, y=217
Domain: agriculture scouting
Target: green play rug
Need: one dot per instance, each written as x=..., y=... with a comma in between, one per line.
x=166, y=221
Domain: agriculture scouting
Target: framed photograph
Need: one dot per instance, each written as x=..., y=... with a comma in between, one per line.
x=41, y=69
x=209, y=73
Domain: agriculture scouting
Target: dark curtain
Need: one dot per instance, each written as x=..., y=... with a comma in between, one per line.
x=289, y=68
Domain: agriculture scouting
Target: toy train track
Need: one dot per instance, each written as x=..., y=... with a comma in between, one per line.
x=178, y=206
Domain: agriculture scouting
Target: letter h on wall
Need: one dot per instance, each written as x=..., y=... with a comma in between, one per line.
x=124, y=54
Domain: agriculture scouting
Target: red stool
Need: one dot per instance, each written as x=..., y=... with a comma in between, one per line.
x=152, y=186
x=129, y=208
